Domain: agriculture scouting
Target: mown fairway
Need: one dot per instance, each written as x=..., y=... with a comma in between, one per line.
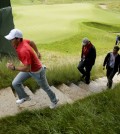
x=67, y=24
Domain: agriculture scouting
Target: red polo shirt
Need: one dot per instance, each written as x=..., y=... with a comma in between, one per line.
x=27, y=55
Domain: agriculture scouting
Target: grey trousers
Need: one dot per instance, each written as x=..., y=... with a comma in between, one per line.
x=40, y=77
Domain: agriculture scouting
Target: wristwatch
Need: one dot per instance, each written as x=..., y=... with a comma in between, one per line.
x=13, y=68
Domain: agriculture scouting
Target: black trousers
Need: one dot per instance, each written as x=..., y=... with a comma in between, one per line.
x=85, y=69
x=110, y=74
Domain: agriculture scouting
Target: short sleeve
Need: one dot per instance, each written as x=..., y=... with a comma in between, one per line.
x=28, y=41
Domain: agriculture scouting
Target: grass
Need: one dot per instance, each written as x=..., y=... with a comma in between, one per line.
x=104, y=27
x=5, y=75
x=97, y=114
x=65, y=19
x=69, y=73
x=30, y=2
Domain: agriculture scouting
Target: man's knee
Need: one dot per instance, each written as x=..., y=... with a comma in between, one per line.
x=15, y=83
x=80, y=68
x=88, y=69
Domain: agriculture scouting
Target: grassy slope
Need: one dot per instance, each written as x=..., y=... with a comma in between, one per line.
x=45, y=18
x=66, y=20
x=98, y=114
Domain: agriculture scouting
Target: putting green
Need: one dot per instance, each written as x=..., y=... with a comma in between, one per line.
x=49, y=23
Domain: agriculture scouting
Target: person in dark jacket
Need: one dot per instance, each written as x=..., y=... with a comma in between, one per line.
x=88, y=57
x=112, y=63
x=117, y=42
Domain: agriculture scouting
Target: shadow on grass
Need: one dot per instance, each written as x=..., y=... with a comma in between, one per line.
x=103, y=26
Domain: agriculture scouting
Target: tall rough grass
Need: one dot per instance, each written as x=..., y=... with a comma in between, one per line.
x=5, y=75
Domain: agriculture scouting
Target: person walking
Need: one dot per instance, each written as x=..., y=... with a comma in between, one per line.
x=117, y=42
x=32, y=67
x=112, y=63
x=88, y=57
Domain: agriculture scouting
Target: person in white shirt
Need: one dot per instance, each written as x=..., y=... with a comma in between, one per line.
x=112, y=63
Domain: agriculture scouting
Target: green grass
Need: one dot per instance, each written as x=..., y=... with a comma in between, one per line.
x=28, y=2
x=65, y=19
x=97, y=114
x=102, y=26
x=5, y=75
x=69, y=73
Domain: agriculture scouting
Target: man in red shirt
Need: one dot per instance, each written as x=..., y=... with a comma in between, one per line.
x=32, y=67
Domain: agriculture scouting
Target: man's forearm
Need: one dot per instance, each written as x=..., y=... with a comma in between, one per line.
x=25, y=68
x=22, y=68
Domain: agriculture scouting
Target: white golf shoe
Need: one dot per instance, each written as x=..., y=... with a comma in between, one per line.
x=53, y=105
x=20, y=101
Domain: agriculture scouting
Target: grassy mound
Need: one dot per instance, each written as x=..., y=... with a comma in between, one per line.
x=97, y=114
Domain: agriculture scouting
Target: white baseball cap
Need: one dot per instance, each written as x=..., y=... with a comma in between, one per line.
x=14, y=33
x=85, y=41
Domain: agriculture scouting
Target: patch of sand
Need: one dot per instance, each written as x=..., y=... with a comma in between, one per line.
x=103, y=6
